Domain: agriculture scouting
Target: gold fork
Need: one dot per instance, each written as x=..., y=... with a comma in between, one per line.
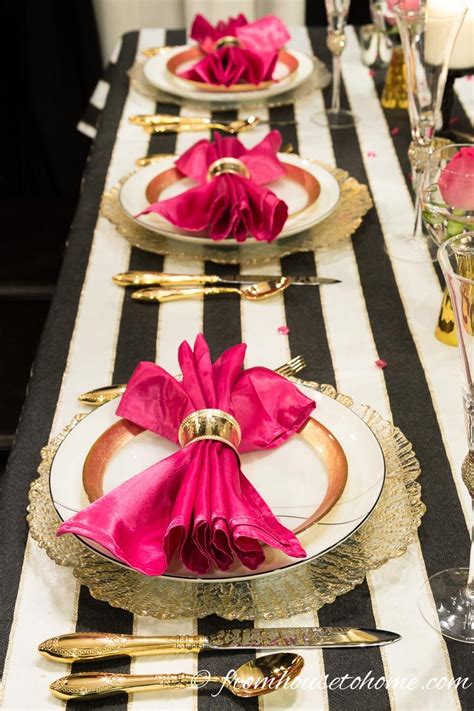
x=99, y=396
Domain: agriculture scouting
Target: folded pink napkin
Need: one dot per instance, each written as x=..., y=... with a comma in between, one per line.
x=197, y=503
x=229, y=205
x=252, y=62
x=233, y=65
x=269, y=34
x=456, y=182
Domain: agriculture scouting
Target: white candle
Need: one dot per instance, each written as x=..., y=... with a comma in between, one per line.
x=463, y=51
x=438, y=35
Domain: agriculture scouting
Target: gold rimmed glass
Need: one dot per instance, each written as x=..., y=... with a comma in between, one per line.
x=428, y=31
x=453, y=589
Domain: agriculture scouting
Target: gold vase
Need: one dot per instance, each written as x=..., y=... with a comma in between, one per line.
x=394, y=95
x=446, y=328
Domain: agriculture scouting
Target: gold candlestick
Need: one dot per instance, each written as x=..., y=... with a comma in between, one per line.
x=394, y=95
x=445, y=330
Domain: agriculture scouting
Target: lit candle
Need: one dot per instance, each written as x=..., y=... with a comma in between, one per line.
x=463, y=51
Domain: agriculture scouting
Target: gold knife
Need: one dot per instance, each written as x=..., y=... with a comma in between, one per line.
x=89, y=646
x=137, y=278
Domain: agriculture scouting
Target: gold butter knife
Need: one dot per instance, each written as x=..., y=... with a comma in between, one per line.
x=89, y=646
x=99, y=396
x=140, y=278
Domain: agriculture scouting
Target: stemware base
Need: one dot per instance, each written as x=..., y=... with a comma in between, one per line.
x=335, y=119
x=453, y=612
x=416, y=250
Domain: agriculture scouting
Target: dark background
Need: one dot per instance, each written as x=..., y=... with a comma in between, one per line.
x=50, y=59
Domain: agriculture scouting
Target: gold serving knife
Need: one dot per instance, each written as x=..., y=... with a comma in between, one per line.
x=100, y=396
x=90, y=646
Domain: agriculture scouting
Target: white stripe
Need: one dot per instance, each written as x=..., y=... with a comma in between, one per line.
x=100, y=94
x=87, y=129
x=47, y=598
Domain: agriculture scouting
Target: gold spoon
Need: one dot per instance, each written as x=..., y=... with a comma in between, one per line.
x=252, y=292
x=255, y=678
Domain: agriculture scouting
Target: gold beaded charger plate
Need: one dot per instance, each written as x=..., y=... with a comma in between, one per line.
x=291, y=91
x=386, y=534
x=310, y=191
x=354, y=202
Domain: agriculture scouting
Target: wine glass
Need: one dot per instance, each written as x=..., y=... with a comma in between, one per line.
x=453, y=589
x=447, y=206
x=428, y=30
x=335, y=117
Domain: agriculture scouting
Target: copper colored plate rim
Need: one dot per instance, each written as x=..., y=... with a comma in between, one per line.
x=313, y=432
x=170, y=176
x=173, y=64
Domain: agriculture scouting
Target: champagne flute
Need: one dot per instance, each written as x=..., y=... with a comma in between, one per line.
x=453, y=589
x=335, y=117
x=428, y=31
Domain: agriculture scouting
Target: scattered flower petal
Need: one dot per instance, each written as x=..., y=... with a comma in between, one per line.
x=409, y=177
x=371, y=154
x=283, y=330
x=469, y=77
x=372, y=72
x=453, y=120
x=395, y=131
x=380, y=363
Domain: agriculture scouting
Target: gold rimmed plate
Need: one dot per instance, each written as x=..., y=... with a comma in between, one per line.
x=310, y=191
x=337, y=482
x=286, y=67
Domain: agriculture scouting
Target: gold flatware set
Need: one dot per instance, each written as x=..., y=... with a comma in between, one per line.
x=99, y=396
x=176, y=287
x=165, y=123
x=253, y=678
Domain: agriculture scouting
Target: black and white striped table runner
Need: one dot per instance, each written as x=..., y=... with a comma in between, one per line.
x=384, y=308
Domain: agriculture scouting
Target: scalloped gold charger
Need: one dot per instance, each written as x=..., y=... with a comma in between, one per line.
x=387, y=533
x=339, y=226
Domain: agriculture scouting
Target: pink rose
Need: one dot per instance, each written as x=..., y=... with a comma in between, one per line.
x=456, y=182
x=406, y=5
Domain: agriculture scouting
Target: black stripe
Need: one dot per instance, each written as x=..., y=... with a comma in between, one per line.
x=222, y=329
x=307, y=335
x=91, y=116
x=39, y=409
x=136, y=342
x=443, y=535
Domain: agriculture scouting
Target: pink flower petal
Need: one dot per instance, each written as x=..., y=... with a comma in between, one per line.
x=372, y=72
x=453, y=120
x=469, y=77
x=395, y=131
x=283, y=330
x=371, y=154
x=380, y=363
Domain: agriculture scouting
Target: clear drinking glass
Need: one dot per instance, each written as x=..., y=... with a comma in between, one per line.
x=428, y=30
x=453, y=589
x=335, y=117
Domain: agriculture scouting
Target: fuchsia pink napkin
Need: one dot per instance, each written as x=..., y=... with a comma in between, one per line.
x=252, y=62
x=197, y=502
x=229, y=205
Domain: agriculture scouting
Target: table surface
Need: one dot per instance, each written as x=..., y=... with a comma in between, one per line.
x=384, y=308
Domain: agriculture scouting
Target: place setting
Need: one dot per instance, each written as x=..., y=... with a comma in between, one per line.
x=230, y=64
x=247, y=471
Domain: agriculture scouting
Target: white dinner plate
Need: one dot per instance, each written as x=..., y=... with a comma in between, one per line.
x=133, y=199
x=292, y=479
x=157, y=74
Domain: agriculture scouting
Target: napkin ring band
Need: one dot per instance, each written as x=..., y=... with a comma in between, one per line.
x=210, y=424
x=227, y=165
x=227, y=41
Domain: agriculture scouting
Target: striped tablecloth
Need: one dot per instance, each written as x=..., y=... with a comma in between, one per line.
x=384, y=309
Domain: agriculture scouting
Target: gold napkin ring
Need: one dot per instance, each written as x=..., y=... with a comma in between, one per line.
x=227, y=41
x=210, y=424
x=227, y=165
